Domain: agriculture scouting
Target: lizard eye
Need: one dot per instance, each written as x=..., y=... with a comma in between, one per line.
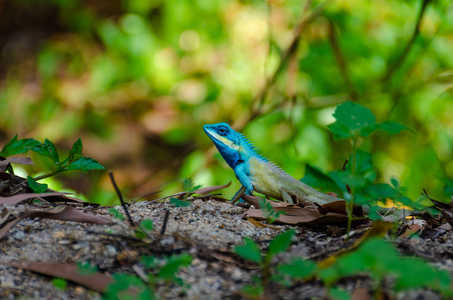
x=221, y=130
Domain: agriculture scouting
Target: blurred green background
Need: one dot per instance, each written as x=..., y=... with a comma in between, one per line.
x=137, y=79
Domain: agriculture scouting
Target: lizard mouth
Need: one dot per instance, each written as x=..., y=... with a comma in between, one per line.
x=220, y=139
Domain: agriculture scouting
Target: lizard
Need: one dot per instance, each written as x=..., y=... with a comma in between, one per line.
x=258, y=174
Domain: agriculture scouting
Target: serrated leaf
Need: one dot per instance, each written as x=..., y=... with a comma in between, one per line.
x=47, y=149
x=249, y=250
x=85, y=164
x=352, y=119
x=15, y=146
x=340, y=131
x=392, y=127
x=36, y=187
x=76, y=152
x=281, y=242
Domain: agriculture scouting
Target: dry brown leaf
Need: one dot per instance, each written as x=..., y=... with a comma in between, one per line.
x=211, y=189
x=255, y=201
x=97, y=281
x=5, y=164
x=361, y=294
x=22, y=197
x=261, y=225
x=63, y=214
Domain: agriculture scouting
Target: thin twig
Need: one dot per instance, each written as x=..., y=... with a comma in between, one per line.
x=333, y=39
x=393, y=67
x=165, y=221
x=118, y=193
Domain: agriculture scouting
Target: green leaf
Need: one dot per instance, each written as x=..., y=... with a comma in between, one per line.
x=76, y=152
x=15, y=146
x=298, y=268
x=352, y=119
x=168, y=271
x=249, y=250
x=392, y=127
x=189, y=186
x=147, y=224
x=280, y=243
x=340, y=131
x=36, y=187
x=394, y=182
x=149, y=261
x=85, y=164
x=116, y=214
x=59, y=283
x=47, y=149
x=339, y=294
x=179, y=203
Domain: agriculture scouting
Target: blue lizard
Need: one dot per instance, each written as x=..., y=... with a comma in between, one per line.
x=257, y=173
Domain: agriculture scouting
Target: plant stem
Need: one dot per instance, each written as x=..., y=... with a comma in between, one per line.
x=48, y=174
x=350, y=205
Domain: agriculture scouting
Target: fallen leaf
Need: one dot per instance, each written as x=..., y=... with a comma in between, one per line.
x=63, y=214
x=22, y=197
x=261, y=225
x=97, y=281
x=211, y=189
x=5, y=164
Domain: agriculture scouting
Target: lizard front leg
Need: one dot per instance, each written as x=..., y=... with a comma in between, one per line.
x=244, y=178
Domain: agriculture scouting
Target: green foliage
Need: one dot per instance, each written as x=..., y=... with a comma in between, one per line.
x=15, y=146
x=354, y=120
x=147, y=225
x=116, y=214
x=74, y=161
x=188, y=185
x=249, y=250
x=179, y=203
x=127, y=286
x=36, y=187
x=269, y=212
x=379, y=259
x=59, y=283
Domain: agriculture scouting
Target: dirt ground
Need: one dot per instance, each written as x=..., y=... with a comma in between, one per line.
x=207, y=230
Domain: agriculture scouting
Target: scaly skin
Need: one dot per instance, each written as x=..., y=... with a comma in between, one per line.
x=257, y=173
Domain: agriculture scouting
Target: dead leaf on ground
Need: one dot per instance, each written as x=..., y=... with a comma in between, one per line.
x=5, y=163
x=97, y=281
x=22, y=197
x=63, y=214
x=262, y=225
x=446, y=209
x=295, y=215
x=211, y=189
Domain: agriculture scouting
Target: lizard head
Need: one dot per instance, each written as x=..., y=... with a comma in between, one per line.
x=227, y=141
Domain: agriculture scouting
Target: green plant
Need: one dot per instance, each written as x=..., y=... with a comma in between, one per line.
x=269, y=212
x=249, y=250
x=126, y=286
x=355, y=122
x=379, y=259
x=75, y=161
